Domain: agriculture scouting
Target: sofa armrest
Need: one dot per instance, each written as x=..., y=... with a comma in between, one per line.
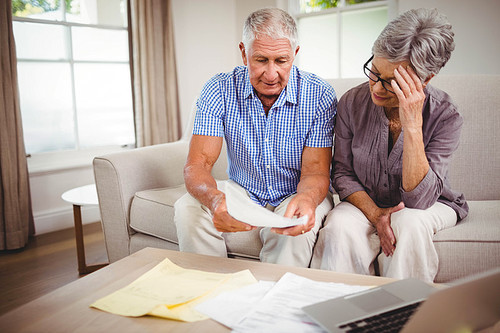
x=119, y=176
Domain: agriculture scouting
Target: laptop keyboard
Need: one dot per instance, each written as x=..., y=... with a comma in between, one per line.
x=390, y=321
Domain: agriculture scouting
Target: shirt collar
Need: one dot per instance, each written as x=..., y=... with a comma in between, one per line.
x=288, y=94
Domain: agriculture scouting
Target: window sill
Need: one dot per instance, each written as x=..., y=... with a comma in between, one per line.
x=47, y=163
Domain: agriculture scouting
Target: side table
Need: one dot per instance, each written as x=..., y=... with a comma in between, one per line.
x=78, y=197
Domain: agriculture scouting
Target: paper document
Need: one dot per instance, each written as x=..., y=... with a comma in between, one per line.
x=242, y=208
x=170, y=291
x=230, y=308
x=279, y=309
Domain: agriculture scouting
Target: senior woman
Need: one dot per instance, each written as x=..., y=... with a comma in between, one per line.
x=394, y=139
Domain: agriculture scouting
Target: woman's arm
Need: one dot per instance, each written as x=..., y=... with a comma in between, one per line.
x=411, y=96
x=425, y=164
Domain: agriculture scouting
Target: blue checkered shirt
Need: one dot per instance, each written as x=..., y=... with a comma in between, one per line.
x=264, y=152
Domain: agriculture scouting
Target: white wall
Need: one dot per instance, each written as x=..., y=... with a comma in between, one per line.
x=52, y=174
x=207, y=34
x=205, y=44
x=49, y=210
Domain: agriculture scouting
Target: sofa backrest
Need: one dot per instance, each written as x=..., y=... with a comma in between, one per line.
x=475, y=168
x=219, y=170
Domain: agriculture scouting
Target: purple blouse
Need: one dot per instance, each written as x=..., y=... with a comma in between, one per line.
x=362, y=161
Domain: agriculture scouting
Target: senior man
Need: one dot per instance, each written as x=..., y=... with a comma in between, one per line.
x=278, y=123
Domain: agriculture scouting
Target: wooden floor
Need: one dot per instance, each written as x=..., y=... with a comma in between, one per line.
x=47, y=263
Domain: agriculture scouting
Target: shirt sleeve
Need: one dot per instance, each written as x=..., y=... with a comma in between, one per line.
x=210, y=110
x=321, y=132
x=344, y=179
x=442, y=143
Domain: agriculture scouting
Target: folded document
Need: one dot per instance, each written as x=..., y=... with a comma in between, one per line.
x=170, y=291
x=242, y=208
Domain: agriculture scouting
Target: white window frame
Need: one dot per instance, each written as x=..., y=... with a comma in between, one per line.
x=49, y=162
x=294, y=10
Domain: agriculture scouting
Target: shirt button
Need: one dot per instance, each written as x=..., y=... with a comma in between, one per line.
x=268, y=166
x=270, y=188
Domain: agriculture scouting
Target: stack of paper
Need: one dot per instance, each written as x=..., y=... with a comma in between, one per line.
x=170, y=291
x=273, y=307
x=235, y=300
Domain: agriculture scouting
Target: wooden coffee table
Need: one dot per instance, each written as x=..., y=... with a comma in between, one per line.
x=67, y=308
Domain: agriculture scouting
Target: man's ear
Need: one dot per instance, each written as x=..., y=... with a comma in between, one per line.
x=297, y=50
x=243, y=53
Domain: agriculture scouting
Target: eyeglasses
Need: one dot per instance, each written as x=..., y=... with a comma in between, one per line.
x=375, y=77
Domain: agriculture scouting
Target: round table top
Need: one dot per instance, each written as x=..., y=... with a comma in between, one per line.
x=83, y=195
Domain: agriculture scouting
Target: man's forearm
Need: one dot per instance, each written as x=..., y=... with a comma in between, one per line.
x=315, y=175
x=314, y=186
x=202, y=186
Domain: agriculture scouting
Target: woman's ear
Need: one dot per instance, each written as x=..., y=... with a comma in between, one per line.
x=427, y=80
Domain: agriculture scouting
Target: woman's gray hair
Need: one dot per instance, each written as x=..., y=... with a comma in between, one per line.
x=271, y=22
x=421, y=36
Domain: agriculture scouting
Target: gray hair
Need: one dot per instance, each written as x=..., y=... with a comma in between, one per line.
x=421, y=36
x=271, y=22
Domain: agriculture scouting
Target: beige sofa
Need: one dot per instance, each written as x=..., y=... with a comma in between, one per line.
x=137, y=189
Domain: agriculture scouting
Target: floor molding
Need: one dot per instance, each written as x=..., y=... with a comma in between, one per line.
x=59, y=219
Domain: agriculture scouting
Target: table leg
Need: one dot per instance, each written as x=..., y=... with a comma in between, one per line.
x=80, y=246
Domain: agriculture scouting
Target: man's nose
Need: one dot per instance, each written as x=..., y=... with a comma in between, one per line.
x=271, y=72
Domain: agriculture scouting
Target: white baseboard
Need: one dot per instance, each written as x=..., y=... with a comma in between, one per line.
x=54, y=220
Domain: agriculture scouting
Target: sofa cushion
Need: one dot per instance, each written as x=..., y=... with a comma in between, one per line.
x=152, y=213
x=140, y=241
x=473, y=245
x=244, y=244
x=481, y=225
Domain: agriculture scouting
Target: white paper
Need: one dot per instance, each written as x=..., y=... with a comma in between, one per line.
x=231, y=307
x=242, y=208
x=252, y=309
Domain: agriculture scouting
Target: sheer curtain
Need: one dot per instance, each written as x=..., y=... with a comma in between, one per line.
x=154, y=75
x=16, y=217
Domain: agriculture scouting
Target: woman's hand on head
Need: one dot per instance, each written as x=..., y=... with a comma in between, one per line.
x=410, y=92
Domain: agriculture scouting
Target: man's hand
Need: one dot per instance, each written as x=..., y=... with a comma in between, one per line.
x=223, y=221
x=383, y=225
x=299, y=206
x=311, y=190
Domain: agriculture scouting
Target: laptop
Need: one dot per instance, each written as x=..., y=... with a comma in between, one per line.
x=411, y=305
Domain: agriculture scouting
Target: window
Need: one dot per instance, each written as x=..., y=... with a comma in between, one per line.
x=74, y=74
x=336, y=36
